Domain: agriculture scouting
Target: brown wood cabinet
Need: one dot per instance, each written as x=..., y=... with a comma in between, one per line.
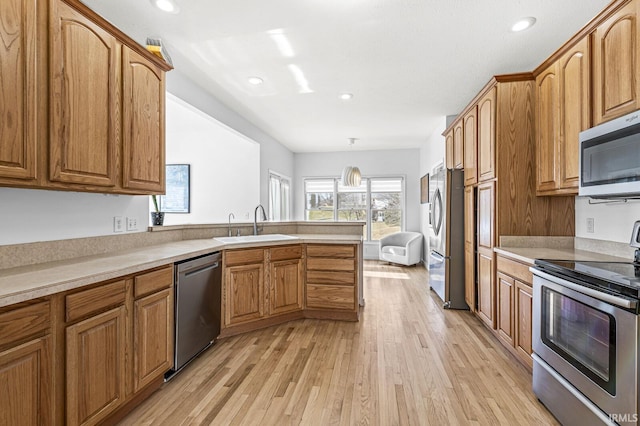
x=487, y=136
x=84, y=103
x=244, y=290
x=448, y=158
x=515, y=307
x=21, y=76
x=143, y=153
x=563, y=111
x=286, y=279
x=471, y=146
x=331, y=281
x=469, y=248
x=458, y=145
x=616, y=64
x=26, y=364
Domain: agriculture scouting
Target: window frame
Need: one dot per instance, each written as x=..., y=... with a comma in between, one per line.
x=280, y=177
x=368, y=209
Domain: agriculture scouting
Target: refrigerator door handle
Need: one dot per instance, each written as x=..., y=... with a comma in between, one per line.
x=437, y=211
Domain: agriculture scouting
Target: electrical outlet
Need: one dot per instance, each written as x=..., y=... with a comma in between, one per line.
x=132, y=224
x=590, y=225
x=118, y=224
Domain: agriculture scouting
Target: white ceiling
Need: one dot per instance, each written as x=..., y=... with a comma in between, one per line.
x=407, y=62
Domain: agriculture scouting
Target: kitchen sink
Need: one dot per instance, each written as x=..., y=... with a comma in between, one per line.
x=254, y=238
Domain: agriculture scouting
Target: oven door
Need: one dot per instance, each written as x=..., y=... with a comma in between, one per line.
x=589, y=341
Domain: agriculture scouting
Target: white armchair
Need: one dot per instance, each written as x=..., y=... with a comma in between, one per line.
x=402, y=247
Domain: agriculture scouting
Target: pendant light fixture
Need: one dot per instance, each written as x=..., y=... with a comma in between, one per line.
x=351, y=174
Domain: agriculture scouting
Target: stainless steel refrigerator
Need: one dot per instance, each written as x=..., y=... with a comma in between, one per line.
x=446, y=237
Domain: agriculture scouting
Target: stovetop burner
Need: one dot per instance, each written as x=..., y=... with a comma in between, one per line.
x=621, y=278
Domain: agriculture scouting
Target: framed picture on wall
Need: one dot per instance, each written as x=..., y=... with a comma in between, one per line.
x=424, y=189
x=176, y=199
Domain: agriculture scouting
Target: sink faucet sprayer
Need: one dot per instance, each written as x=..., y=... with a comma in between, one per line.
x=255, y=218
x=231, y=215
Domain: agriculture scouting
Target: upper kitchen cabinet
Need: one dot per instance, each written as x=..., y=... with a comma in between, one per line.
x=562, y=112
x=143, y=136
x=21, y=76
x=448, y=157
x=458, y=145
x=85, y=100
x=471, y=147
x=487, y=136
x=616, y=64
x=82, y=105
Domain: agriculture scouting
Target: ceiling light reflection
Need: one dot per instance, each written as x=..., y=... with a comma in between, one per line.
x=303, y=84
x=282, y=42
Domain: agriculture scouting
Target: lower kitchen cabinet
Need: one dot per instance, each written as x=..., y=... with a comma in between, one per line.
x=26, y=364
x=486, y=287
x=515, y=307
x=286, y=271
x=96, y=366
x=244, y=292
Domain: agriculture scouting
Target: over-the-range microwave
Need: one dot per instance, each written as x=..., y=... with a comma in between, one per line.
x=610, y=158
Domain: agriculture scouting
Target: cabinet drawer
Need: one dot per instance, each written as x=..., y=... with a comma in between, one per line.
x=331, y=251
x=286, y=253
x=322, y=264
x=94, y=300
x=153, y=281
x=242, y=257
x=515, y=269
x=330, y=297
x=25, y=321
x=331, y=277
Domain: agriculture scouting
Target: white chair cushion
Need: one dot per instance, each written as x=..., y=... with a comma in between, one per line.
x=398, y=251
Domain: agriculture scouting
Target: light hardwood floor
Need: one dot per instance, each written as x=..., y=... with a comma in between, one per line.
x=407, y=362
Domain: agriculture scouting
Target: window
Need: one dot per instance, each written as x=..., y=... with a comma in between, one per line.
x=378, y=201
x=279, y=197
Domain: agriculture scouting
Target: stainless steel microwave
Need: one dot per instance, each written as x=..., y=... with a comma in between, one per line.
x=610, y=158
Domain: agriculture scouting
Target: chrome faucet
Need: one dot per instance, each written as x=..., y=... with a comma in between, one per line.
x=255, y=218
x=231, y=215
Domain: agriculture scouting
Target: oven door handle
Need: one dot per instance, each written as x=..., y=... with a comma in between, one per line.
x=602, y=296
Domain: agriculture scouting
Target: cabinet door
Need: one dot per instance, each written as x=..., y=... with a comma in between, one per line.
x=616, y=78
x=486, y=214
x=85, y=97
x=469, y=247
x=486, y=292
x=458, y=146
x=244, y=299
x=448, y=140
x=487, y=136
x=285, y=286
x=470, y=147
x=95, y=368
x=548, y=133
x=143, y=163
x=19, y=42
x=25, y=395
x=523, y=316
x=153, y=337
x=505, y=308
x=574, y=111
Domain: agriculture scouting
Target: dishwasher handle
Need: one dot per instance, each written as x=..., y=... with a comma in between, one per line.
x=211, y=261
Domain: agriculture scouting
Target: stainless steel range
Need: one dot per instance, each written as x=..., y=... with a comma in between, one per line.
x=585, y=340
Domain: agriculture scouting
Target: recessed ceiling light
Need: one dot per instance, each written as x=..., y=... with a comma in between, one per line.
x=168, y=6
x=255, y=80
x=523, y=24
x=346, y=96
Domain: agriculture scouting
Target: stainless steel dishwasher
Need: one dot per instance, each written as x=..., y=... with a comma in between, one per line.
x=198, y=287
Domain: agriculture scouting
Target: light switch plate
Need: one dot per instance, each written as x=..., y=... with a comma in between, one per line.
x=590, y=225
x=132, y=224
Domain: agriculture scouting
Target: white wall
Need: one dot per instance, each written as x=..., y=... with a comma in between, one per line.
x=431, y=153
x=273, y=155
x=225, y=165
x=612, y=221
x=30, y=215
x=402, y=162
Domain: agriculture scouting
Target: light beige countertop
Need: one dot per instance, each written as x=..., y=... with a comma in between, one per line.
x=530, y=254
x=30, y=282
